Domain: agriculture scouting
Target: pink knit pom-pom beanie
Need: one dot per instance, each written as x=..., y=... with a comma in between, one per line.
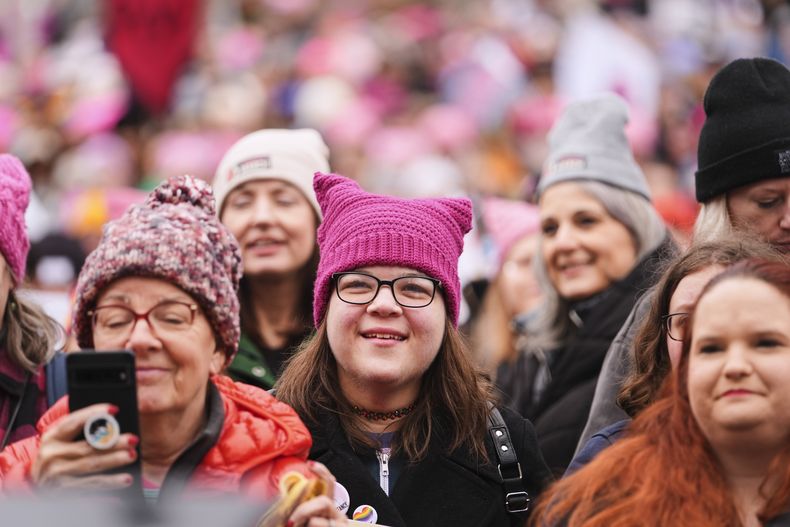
x=14, y=197
x=174, y=236
x=362, y=229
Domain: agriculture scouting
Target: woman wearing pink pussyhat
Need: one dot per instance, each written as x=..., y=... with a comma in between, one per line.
x=27, y=335
x=397, y=410
x=264, y=190
x=513, y=293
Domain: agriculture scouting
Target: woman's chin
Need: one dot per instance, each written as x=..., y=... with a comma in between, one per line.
x=383, y=379
x=150, y=404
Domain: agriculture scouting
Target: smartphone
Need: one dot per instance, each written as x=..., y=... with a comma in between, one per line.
x=108, y=377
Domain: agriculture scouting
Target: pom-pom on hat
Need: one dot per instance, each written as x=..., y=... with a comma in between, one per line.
x=508, y=221
x=588, y=142
x=175, y=236
x=746, y=135
x=362, y=229
x=14, y=197
x=292, y=156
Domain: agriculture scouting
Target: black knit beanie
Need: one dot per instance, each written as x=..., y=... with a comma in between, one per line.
x=746, y=135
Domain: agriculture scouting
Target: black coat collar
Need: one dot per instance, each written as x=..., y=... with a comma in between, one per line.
x=442, y=489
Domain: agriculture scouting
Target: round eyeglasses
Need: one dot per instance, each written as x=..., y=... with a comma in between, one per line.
x=675, y=325
x=116, y=322
x=408, y=291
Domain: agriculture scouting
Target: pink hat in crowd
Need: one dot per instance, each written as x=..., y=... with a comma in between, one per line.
x=507, y=221
x=361, y=229
x=84, y=212
x=14, y=197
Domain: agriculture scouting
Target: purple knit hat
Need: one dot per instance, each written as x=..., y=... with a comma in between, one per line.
x=14, y=197
x=361, y=229
x=176, y=236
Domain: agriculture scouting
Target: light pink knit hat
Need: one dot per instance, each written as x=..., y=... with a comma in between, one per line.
x=14, y=197
x=361, y=229
x=508, y=221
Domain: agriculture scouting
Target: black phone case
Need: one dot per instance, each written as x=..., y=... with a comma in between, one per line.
x=108, y=377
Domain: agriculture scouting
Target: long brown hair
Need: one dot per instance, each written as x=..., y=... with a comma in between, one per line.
x=664, y=472
x=452, y=404
x=651, y=359
x=304, y=311
x=31, y=336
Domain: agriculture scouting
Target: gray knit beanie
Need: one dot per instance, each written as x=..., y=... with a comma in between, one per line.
x=588, y=142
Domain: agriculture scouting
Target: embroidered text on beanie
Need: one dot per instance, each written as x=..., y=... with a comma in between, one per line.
x=588, y=142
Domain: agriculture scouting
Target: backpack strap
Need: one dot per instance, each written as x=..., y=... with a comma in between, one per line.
x=516, y=497
x=57, y=381
x=15, y=412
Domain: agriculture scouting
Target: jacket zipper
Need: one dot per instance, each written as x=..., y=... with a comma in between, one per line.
x=383, y=456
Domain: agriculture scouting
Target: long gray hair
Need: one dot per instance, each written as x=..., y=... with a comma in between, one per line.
x=553, y=324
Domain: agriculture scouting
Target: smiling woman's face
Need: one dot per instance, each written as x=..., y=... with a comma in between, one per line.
x=383, y=346
x=584, y=248
x=173, y=367
x=274, y=224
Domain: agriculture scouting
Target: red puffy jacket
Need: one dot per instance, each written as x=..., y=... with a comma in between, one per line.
x=261, y=439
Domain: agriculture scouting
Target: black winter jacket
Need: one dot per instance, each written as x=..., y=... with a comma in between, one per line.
x=440, y=490
x=562, y=410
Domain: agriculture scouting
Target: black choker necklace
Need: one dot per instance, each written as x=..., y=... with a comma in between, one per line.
x=383, y=416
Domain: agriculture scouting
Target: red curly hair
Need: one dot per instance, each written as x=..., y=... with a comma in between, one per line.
x=664, y=472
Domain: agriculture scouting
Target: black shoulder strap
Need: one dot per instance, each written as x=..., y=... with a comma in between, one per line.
x=516, y=497
x=15, y=412
x=57, y=383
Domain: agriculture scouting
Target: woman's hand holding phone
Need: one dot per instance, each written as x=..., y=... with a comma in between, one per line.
x=65, y=459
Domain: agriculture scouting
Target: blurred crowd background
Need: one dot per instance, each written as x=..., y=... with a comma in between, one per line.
x=102, y=99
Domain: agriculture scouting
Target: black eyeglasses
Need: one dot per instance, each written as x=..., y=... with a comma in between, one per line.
x=675, y=325
x=408, y=291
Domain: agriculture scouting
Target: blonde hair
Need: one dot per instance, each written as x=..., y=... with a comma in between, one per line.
x=713, y=221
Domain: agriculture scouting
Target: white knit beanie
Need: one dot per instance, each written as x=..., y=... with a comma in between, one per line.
x=292, y=156
x=588, y=142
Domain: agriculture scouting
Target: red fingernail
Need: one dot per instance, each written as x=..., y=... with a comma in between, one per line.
x=290, y=523
x=112, y=409
x=132, y=453
x=134, y=440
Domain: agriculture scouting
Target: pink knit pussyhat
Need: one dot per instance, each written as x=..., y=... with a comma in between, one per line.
x=362, y=229
x=14, y=197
